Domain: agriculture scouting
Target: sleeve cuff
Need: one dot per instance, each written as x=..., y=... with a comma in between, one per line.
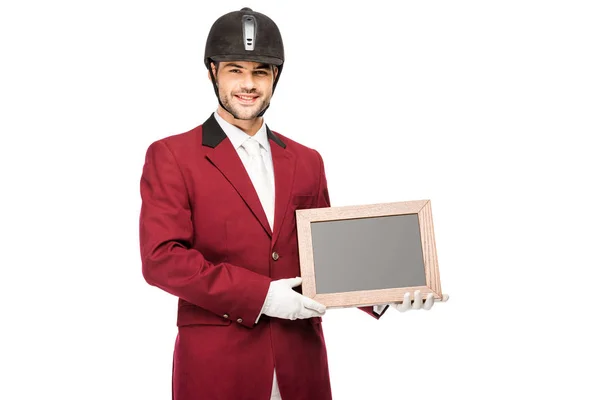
x=265, y=305
x=380, y=309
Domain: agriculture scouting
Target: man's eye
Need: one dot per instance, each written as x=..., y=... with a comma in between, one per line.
x=234, y=70
x=261, y=73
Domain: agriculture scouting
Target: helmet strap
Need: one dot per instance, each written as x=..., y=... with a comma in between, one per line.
x=213, y=79
x=260, y=114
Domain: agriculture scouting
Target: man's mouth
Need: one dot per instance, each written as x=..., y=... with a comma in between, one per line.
x=246, y=99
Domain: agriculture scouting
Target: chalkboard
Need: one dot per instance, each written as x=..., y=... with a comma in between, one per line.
x=367, y=255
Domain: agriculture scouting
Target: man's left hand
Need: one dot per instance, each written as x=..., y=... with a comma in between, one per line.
x=417, y=303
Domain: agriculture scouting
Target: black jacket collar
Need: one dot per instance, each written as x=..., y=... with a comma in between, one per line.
x=213, y=135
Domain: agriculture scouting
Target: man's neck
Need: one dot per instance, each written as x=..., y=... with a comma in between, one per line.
x=250, y=126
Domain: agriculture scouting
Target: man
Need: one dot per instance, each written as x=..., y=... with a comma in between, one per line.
x=217, y=230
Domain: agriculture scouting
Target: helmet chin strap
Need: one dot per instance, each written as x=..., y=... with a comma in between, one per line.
x=260, y=114
x=214, y=83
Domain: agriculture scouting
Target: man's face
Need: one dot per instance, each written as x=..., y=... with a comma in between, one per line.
x=245, y=87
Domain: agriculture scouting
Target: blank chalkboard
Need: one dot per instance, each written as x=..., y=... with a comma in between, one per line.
x=392, y=245
x=367, y=255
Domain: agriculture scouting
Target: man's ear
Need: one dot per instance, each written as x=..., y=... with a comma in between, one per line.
x=275, y=71
x=213, y=67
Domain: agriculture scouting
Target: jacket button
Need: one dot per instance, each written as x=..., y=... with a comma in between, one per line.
x=225, y=316
x=239, y=320
x=275, y=256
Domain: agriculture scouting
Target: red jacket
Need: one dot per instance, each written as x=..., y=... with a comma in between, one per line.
x=205, y=238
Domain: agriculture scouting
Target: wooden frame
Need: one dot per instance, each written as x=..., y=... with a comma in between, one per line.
x=354, y=298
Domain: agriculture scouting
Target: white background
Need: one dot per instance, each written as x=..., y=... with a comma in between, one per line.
x=489, y=109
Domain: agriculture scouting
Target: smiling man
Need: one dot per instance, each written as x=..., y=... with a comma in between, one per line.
x=218, y=230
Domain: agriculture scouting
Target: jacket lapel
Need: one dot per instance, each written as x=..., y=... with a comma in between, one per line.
x=284, y=167
x=223, y=156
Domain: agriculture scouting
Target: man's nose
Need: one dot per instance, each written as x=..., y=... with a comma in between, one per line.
x=248, y=82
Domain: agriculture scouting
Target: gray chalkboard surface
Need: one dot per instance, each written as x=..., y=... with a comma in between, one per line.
x=347, y=252
x=370, y=254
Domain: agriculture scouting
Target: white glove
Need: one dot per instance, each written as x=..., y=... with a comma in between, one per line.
x=283, y=302
x=416, y=304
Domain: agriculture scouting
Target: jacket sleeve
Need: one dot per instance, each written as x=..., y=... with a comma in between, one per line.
x=325, y=202
x=168, y=260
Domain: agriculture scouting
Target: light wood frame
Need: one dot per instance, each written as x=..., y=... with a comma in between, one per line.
x=422, y=208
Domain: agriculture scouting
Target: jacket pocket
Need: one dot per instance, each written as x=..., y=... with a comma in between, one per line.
x=193, y=315
x=304, y=201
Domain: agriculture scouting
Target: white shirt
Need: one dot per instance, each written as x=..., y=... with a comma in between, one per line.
x=237, y=137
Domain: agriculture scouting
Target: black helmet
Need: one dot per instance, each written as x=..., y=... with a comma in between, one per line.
x=244, y=35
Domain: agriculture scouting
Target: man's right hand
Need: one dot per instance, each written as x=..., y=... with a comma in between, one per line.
x=283, y=302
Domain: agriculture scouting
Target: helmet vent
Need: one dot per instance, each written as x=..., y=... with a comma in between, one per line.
x=249, y=29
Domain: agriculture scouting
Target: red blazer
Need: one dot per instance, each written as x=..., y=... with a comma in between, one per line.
x=205, y=238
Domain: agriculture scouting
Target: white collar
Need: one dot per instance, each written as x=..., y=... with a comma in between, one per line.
x=237, y=136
